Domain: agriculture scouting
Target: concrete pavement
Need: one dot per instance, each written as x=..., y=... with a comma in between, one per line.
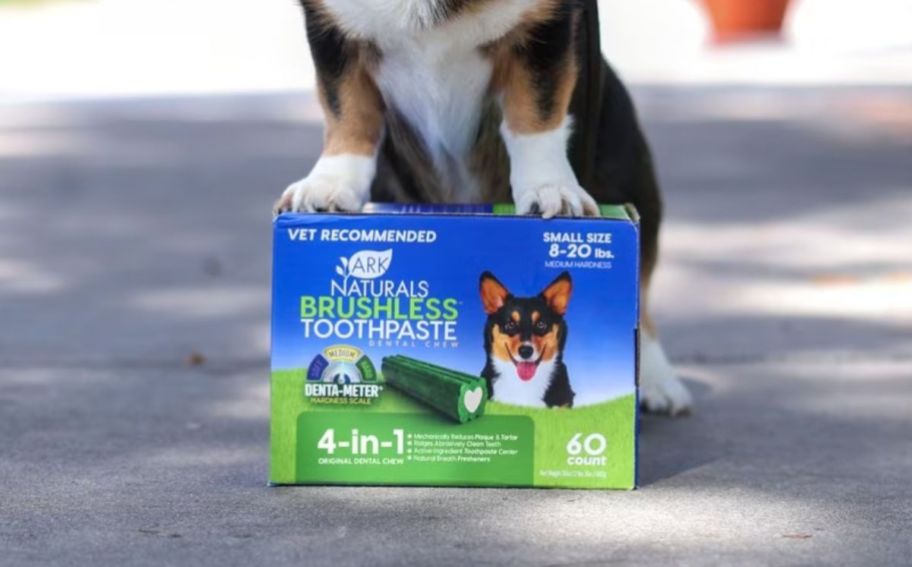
x=134, y=270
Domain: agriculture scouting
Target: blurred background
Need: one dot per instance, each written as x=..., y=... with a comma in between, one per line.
x=143, y=142
x=106, y=48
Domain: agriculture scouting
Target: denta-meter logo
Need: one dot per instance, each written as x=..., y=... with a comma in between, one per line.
x=342, y=374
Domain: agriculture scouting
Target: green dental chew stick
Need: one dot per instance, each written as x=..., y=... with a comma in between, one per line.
x=459, y=396
x=454, y=374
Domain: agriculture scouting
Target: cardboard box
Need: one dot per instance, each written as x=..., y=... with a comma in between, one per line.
x=454, y=346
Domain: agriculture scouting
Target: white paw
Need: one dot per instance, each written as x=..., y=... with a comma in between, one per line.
x=336, y=184
x=319, y=193
x=541, y=175
x=549, y=200
x=661, y=391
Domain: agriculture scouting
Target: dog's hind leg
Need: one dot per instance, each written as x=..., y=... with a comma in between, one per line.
x=623, y=172
x=661, y=391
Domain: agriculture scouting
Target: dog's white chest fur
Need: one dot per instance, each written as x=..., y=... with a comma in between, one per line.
x=508, y=388
x=434, y=75
x=439, y=86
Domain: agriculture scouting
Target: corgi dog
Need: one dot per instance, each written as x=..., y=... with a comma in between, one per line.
x=481, y=101
x=524, y=339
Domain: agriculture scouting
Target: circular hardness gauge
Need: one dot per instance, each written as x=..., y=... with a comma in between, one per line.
x=341, y=372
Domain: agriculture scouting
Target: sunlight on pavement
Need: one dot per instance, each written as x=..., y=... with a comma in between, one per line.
x=791, y=267
x=250, y=401
x=885, y=299
x=17, y=276
x=203, y=302
x=143, y=47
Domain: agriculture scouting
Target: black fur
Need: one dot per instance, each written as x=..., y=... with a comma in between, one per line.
x=559, y=392
x=331, y=52
x=546, y=53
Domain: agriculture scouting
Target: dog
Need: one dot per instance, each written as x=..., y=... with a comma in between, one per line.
x=524, y=340
x=466, y=101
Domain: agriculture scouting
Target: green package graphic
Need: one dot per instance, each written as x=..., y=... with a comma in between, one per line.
x=457, y=395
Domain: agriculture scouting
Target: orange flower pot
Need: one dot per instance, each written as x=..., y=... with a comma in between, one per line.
x=746, y=19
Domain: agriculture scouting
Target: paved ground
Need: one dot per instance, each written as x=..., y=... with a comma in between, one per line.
x=135, y=234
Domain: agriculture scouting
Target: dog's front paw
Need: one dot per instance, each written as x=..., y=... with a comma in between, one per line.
x=553, y=199
x=661, y=391
x=319, y=193
x=336, y=184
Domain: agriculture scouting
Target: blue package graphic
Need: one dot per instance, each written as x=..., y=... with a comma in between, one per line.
x=512, y=301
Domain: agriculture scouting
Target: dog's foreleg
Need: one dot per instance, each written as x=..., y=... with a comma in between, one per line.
x=538, y=75
x=353, y=110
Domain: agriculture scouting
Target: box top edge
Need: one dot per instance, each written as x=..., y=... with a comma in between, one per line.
x=623, y=212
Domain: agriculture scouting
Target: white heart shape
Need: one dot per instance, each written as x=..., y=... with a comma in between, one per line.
x=472, y=399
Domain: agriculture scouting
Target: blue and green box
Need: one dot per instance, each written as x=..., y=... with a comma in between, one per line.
x=454, y=346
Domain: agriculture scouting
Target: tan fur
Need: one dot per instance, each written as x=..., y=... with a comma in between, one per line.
x=492, y=295
x=547, y=343
x=515, y=83
x=503, y=346
x=358, y=127
x=520, y=108
x=558, y=296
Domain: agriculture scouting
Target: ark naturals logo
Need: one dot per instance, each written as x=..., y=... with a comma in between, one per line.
x=364, y=265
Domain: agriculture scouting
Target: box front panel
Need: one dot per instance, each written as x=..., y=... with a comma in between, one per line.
x=454, y=350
